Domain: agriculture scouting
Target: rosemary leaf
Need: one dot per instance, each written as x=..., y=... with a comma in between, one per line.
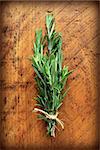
x=50, y=77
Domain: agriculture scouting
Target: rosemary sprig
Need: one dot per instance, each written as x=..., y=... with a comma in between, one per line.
x=50, y=77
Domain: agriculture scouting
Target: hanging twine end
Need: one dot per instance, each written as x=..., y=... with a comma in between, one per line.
x=50, y=116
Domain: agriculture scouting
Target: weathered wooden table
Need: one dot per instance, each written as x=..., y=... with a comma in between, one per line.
x=20, y=128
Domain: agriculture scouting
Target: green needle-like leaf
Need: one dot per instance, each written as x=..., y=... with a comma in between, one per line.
x=50, y=77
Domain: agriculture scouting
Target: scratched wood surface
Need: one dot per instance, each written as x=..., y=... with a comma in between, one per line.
x=20, y=128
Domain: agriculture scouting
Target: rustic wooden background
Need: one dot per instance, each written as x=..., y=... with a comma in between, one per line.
x=20, y=128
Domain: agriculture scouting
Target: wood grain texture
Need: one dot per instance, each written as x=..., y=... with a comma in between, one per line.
x=20, y=128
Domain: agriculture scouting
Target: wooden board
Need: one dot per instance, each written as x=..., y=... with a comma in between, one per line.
x=20, y=128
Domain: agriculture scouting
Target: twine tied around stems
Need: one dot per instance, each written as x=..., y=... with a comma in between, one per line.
x=50, y=116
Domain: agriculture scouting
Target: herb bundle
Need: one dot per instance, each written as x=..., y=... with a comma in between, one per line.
x=50, y=77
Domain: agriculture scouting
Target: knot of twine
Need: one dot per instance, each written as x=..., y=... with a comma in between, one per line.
x=50, y=116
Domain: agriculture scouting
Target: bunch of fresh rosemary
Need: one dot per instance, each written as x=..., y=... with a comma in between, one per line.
x=51, y=77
